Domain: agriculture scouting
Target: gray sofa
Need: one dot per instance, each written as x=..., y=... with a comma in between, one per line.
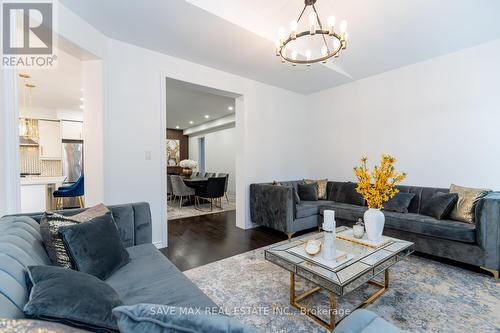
x=149, y=277
x=476, y=244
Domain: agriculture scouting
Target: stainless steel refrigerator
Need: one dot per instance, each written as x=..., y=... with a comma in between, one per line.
x=72, y=167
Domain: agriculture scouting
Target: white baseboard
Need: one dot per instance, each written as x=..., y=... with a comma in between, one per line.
x=160, y=244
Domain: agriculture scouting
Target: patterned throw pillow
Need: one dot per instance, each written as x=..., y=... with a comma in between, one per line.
x=49, y=229
x=466, y=204
x=321, y=187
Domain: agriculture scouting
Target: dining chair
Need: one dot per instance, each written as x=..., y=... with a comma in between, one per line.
x=209, y=174
x=169, y=188
x=226, y=175
x=201, y=174
x=213, y=191
x=180, y=189
x=74, y=190
x=196, y=174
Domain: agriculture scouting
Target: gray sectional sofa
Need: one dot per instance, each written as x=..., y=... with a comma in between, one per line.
x=477, y=244
x=149, y=277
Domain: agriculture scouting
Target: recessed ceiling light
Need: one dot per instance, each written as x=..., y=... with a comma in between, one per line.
x=82, y=99
x=230, y=108
x=191, y=122
x=81, y=106
x=177, y=127
x=207, y=116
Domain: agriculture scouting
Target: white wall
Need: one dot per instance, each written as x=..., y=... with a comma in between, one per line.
x=134, y=126
x=220, y=153
x=440, y=118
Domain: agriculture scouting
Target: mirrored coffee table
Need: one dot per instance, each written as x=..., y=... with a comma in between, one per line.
x=363, y=264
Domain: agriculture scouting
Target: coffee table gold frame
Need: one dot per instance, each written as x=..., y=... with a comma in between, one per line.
x=294, y=300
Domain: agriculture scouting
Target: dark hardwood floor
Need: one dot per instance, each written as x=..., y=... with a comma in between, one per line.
x=199, y=240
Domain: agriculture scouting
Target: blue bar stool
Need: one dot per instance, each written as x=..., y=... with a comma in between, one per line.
x=74, y=190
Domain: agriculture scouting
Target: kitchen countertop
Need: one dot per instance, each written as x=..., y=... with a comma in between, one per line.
x=42, y=180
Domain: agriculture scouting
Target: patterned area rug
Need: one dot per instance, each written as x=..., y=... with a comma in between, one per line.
x=175, y=212
x=423, y=296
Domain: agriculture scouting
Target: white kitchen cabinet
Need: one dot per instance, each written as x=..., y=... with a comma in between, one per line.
x=72, y=130
x=33, y=198
x=50, y=140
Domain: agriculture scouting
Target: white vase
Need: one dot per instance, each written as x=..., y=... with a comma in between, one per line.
x=374, y=224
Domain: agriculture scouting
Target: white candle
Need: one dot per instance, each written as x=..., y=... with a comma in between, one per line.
x=329, y=220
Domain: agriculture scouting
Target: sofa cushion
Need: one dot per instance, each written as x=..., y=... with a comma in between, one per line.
x=72, y=298
x=321, y=185
x=308, y=192
x=149, y=277
x=399, y=203
x=467, y=199
x=349, y=195
x=95, y=247
x=440, y=205
x=345, y=211
x=429, y=226
x=154, y=318
x=310, y=208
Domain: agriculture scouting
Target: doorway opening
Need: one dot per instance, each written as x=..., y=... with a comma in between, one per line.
x=55, y=112
x=201, y=145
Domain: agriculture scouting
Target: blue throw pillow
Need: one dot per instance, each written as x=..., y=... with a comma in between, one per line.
x=95, y=247
x=153, y=318
x=73, y=298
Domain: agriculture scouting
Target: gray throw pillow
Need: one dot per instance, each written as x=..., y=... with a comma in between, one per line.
x=439, y=205
x=308, y=192
x=95, y=247
x=49, y=230
x=349, y=195
x=72, y=298
x=399, y=203
x=167, y=319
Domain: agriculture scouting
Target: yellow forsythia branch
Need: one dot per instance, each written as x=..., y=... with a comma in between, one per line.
x=378, y=186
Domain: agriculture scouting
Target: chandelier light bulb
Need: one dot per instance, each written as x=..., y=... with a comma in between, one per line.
x=293, y=29
x=343, y=26
x=312, y=23
x=308, y=54
x=336, y=44
x=281, y=34
x=294, y=55
x=324, y=51
x=331, y=24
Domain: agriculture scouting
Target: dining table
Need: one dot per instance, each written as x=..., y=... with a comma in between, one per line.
x=196, y=182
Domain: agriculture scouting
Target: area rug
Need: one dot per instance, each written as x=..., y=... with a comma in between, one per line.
x=423, y=296
x=175, y=212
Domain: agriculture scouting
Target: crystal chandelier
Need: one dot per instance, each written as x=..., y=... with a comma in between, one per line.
x=327, y=41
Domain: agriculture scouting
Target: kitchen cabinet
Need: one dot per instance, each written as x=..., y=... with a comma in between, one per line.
x=72, y=130
x=50, y=140
x=33, y=198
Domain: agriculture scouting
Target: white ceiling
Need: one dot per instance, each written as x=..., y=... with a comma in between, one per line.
x=237, y=35
x=57, y=88
x=188, y=102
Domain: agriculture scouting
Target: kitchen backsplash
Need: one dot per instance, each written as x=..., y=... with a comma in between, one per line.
x=31, y=163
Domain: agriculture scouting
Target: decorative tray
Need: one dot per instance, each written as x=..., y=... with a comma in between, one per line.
x=349, y=236
x=341, y=256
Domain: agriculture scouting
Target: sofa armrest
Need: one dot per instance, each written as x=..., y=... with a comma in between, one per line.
x=272, y=206
x=487, y=218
